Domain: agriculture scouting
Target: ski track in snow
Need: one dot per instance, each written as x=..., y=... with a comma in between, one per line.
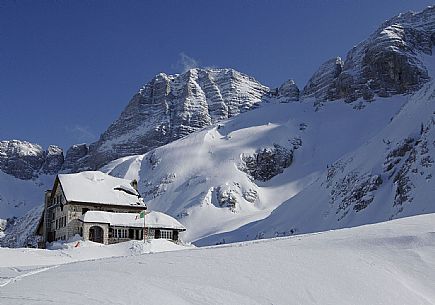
x=8, y=281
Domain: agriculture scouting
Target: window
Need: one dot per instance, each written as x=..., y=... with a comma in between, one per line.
x=166, y=234
x=120, y=233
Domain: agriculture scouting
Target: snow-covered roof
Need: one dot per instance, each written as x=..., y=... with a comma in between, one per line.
x=98, y=187
x=152, y=219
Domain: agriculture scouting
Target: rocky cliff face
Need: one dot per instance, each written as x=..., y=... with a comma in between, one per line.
x=289, y=91
x=25, y=160
x=167, y=108
x=388, y=62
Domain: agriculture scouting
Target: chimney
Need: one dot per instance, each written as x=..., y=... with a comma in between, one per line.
x=133, y=183
x=47, y=198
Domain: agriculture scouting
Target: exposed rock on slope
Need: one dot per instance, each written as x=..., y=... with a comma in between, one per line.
x=266, y=163
x=319, y=83
x=388, y=62
x=76, y=156
x=170, y=107
x=25, y=160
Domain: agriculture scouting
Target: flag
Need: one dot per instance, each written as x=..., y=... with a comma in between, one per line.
x=140, y=215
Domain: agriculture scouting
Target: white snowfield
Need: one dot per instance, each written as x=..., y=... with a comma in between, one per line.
x=385, y=263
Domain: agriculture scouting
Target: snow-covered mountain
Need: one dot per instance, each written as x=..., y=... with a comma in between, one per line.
x=240, y=170
x=355, y=146
x=170, y=107
x=389, y=176
x=347, y=163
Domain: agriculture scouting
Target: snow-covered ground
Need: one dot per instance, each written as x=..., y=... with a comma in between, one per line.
x=62, y=253
x=385, y=263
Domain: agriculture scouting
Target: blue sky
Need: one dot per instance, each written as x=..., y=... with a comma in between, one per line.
x=68, y=68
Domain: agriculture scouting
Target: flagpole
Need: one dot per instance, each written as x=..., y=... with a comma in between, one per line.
x=144, y=227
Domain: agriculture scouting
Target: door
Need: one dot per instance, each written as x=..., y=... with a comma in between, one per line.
x=96, y=234
x=131, y=233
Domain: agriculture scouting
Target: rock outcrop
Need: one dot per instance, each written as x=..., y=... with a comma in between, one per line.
x=167, y=108
x=388, y=62
x=25, y=160
x=266, y=163
x=75, y=156
x=289, y=91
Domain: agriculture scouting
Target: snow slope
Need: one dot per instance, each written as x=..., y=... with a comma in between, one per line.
x=74, y=251
x=388, y=177
x=20, y=203
x=198, y=178
x=386, y=263
x=19, y=196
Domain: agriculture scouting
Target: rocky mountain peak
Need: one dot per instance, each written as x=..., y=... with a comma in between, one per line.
x=323, y=77
x=167, y=108
x=25, y=160
x=388, y=62
x=289, y=90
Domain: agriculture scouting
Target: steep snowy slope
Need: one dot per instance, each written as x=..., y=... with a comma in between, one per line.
x=388, y=177
x=21, y=204
x=18, y=196
x=222, y=177
x=388, y=263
